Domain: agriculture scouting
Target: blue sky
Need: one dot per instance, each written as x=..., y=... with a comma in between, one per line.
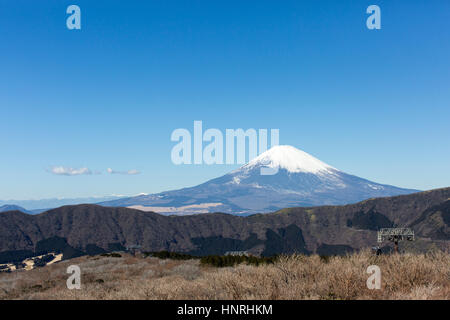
x=374, y=103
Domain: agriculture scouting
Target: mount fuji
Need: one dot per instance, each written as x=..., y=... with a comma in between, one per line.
x=300, y=180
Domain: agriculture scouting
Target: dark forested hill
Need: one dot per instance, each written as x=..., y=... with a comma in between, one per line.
x=327, y=229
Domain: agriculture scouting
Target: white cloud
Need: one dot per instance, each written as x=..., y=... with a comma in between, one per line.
x=129, y=172
x=66, y=171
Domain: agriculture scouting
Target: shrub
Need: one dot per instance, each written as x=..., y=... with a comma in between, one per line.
x=170, y=255
x=229, y=261
x=113, y=255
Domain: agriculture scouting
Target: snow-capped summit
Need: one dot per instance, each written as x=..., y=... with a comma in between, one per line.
x=291, y=159
x=299, y=180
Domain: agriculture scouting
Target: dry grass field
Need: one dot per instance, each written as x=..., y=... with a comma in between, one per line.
x=406, y=276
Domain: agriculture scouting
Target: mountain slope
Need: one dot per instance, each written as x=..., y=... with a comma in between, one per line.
x=300, y=180
x=326, y=229
x=12, y=207
x=36, y=206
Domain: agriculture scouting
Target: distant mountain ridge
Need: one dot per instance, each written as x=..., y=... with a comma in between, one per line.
x=301, y=180
x=41, y=205
x=11, y=207
x=323, y=230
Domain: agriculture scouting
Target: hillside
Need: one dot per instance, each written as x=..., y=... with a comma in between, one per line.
x=408, y=276
x=12, y=207
x=326, y=229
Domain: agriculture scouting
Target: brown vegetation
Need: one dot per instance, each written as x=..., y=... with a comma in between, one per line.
x=406, y=276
